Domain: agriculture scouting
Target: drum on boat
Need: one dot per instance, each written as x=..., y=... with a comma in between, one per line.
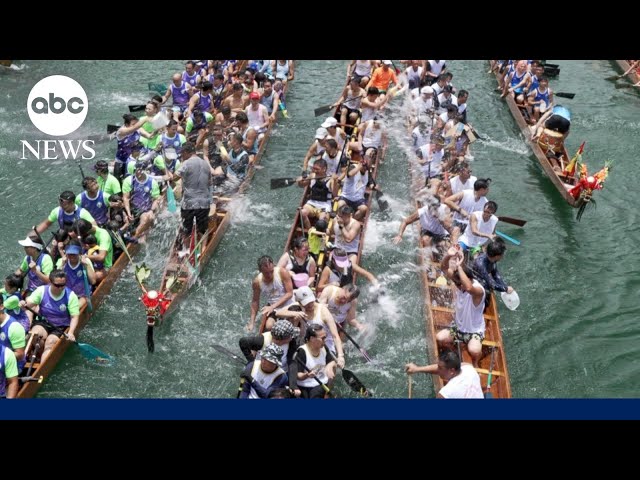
x=550, y=140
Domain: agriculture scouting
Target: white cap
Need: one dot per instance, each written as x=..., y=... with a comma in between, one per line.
x=321, y=133
x=387, y=62
x=304, y=296
x=329, y=122
x=426, y=90
x=27, y=242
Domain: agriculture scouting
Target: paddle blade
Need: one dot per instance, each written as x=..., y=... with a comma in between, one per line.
x=513, y=221
x=565, y=95
x=158, y=87
x=283, y=108
x=171, y=200
x=95, y=356
x=112, y=128
x=623, y=85
x=322, y=110
x=612, y=78
x=282, y=182
x=507, y=237
x=382, y=202
x=136, y=108
x=354, y=383
x=150, y=345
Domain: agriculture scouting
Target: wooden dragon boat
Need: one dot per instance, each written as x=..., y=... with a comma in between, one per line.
x=545, y=150
x=624, y=65
x=181, y=273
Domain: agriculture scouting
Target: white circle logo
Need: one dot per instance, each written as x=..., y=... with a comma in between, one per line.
x=57, y=105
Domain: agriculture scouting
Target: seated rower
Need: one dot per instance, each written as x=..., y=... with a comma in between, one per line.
x=516, y=82
x=468, y=325
x=298, y=262
x=57, y=310
x=341, y=302
x=312, y=361
x=323, y=188
x=11, y=296
x=482, y=227
x=36, y=265
x=354, y=187
x=435, y=224
x=274, y=286
x=317, y=148
x=262, y=376
x=318, y=313
x=12, y=335
x=540, y=98
x=141, y=196
x=76, y=266
x=92, y=249
x=339, y=271
x=67, y=213
x=95, y=201
x=105, y=246
x=350, y=101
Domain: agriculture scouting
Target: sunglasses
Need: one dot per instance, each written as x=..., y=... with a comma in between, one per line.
x=59, y=285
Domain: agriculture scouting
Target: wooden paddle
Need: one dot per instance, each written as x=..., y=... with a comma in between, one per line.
x=565, y=95
x=613, y=78
x=112, y=128
x=306, y=369
x=89, y=352
x=410, y=385
x=322, y=110
x=136, y=108
x=350, y=379
x=288, y=181
x=282, y=182
x=513, y=221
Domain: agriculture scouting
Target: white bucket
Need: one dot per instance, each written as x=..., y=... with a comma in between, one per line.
x=170, y=153
x=160, y=120
x=511, y=300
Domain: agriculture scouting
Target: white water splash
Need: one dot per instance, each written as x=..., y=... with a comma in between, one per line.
x=379, y=234
x=243, y=211
x=514, y=145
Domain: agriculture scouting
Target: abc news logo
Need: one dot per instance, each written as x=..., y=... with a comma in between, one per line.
x=57, y=106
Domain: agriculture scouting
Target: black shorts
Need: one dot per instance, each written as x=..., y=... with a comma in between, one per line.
x=200, y=214
x=434, y=236
x=354, y=204
x=50, y=329
x=119, y=170
x=355, y=76
x=558, y=124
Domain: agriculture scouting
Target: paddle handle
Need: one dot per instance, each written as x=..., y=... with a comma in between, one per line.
x=355, y=344
x=410, y=385
x=306, y=369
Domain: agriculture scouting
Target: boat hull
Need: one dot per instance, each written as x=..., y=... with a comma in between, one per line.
x=551, y=166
